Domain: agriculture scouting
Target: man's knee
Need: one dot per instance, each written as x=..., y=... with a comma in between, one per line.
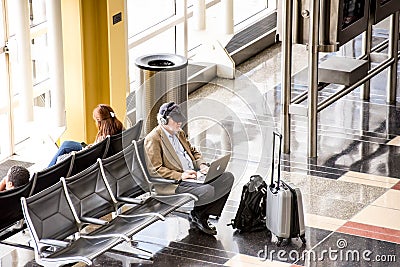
x=228, y=179
x=207, y=192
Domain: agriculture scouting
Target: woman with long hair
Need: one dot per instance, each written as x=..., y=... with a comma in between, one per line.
x=107, y=124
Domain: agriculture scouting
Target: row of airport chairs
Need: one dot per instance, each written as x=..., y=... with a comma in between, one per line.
x=56, y=216
x=10, y=208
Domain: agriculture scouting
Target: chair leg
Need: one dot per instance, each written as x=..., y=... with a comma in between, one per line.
x=131, y=250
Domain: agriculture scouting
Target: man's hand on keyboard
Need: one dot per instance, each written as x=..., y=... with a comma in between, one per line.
x=204, y=168
x=189, y=174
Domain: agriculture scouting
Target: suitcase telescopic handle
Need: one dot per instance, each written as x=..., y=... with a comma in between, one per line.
x=276, y=135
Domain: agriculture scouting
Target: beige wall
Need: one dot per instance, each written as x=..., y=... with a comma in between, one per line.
x=95, y=53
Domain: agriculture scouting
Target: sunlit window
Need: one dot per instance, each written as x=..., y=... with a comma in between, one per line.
x=40, y=66
x=145, y=14
x=37, y=11
x=244, y=9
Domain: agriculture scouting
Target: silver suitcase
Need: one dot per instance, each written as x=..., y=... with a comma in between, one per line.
x=284, y=214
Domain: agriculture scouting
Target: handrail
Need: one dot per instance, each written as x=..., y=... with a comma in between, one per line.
x=349, y=89
x=378, y=48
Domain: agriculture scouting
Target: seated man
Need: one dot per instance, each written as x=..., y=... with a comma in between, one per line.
x=171, y=156
x=16, y=176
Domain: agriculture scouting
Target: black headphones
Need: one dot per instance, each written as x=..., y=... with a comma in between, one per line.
x=164, y=115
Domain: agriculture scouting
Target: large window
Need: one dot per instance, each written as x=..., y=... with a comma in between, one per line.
x=4, y=119
x=37, y=11
x=4, y=98
x=156, y=26
x=11, y=111
x=40, y=66
x=146, y=14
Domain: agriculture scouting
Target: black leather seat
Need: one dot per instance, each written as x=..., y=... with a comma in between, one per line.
x=86, y=157
x=123, y=184
x=51, y=175
x=152, y=182
x=53, y=227
x=119, y=141
x=119, y=182
x=10, y=208
x=91, y=199
x=139, y=160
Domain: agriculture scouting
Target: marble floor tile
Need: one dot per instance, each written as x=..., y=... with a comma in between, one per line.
x=368, y=179
x=334, y=189
x=322, y=222
x=395, y=141
x=396, y=186
x=345, y=250
x=329, y=207
x=391, y=200
x=379, y=216
x=370, y=231
x=241, y=260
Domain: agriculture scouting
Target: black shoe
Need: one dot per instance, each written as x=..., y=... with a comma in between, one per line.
x=202, y=224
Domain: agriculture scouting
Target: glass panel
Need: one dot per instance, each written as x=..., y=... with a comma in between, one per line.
x=1, y=26
x=244, y=9
x=37, y=11
x=145, y=14
x=11, y=8
x=40, y=66
x=4, y=125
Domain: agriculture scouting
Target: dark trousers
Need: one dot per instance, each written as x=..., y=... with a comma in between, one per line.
x=212, y=197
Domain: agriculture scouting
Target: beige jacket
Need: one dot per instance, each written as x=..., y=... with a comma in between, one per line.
x=162, y=160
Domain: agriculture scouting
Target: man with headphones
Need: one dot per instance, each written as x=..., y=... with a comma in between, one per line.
x=170, y=155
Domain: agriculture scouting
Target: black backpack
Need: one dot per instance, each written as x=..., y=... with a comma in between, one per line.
x=250, y=215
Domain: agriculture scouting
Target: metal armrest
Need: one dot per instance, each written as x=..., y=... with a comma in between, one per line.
x=54, y=242
x=143, y=215
x=130, y=200
x=164, y=181
x=176, y=195
x=93, y=220
x=127, y=239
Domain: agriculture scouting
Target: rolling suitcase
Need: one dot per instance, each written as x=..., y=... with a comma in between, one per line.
x=284, y=214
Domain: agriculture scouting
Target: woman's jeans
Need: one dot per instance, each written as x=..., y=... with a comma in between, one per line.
x=65, y=148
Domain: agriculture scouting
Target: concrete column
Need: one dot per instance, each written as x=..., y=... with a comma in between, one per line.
x=199, y=15
x=185, y=29
x=56, y=61
x=227, y=11
x=24, y=59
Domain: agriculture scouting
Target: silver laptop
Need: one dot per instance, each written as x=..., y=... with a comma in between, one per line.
x=216, y=168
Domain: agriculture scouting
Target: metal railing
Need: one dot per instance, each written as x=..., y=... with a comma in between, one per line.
x=311, y=95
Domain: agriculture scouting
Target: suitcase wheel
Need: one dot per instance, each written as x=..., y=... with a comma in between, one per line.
x=279, y=242
x=303, y=239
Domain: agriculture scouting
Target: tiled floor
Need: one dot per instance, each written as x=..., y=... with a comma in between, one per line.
x=351, y=192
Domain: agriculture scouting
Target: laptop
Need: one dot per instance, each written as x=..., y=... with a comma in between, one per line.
x=216, y=168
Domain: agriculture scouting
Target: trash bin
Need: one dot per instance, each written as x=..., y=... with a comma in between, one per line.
x=163, y=78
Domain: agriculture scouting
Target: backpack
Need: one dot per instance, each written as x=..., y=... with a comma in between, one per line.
x=250, y=215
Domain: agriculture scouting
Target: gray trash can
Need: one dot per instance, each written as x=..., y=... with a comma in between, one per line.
x=163, y=78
